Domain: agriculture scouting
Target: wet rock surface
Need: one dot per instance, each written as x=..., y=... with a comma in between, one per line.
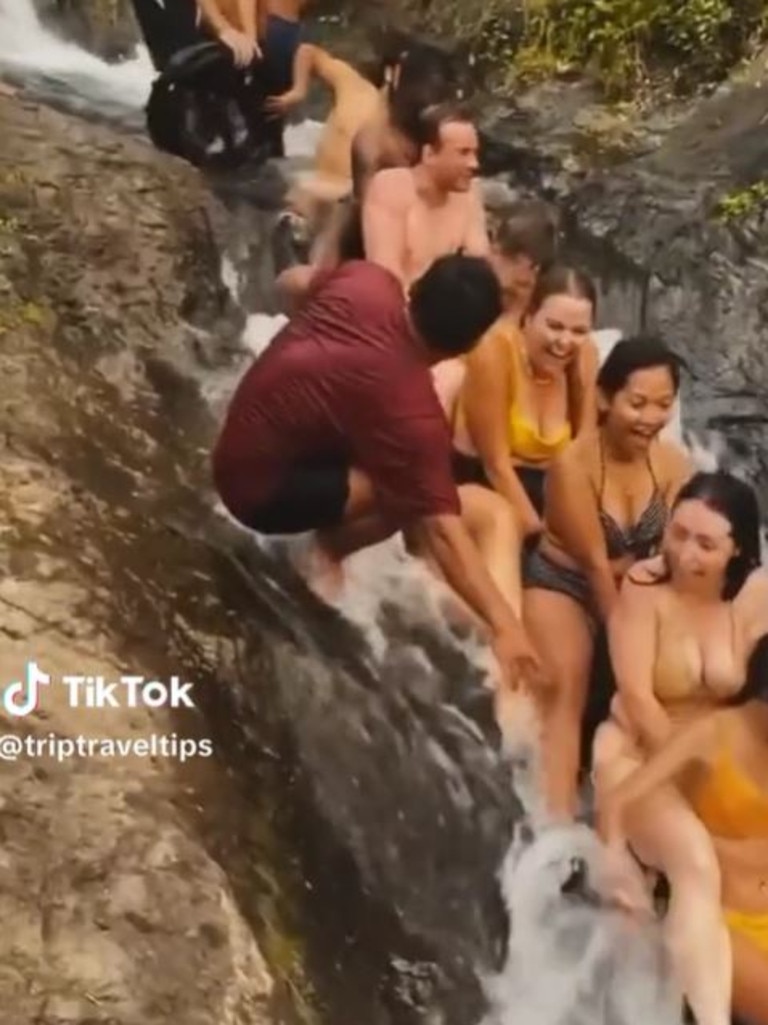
x=339, y=850
x=648, y=222
x=104, y=27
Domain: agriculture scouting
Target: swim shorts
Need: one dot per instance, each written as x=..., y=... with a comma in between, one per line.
x=281, y=41
x=311, y=496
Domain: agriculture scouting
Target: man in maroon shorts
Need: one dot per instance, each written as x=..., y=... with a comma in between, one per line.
x=337, y=429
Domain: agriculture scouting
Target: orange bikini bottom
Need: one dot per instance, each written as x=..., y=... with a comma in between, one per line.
x=753, y=927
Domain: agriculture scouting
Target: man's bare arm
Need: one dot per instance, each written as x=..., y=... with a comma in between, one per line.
x=384, y=220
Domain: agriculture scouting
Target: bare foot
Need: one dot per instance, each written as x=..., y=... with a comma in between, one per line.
x=7, y=90
x=323, y=572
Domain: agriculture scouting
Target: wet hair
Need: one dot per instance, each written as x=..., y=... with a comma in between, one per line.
x=530, y=230
x=455, y=302
x=432, y=119
x=756, y=682
x=559, y=279
x=427, y=75
x=736, y=501
x=629, y=355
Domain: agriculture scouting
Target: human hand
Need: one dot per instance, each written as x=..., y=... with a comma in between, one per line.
x=244, y=49
x=530, y=523
x=280, y=105
x=517, y=658
x=623, y=882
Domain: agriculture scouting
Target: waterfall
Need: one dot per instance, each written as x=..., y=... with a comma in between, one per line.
x=567, y=962
x=27, y=49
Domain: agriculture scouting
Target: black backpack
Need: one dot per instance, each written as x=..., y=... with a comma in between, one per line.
x=205, y=110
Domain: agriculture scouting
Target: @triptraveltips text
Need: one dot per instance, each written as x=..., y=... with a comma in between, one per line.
x=22, y=697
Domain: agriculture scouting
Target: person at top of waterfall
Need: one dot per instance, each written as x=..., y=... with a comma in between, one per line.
x=678, y=772
x=606, y=499
x=411, y=77
x=356, y=101
x=269, y=31
x=415, y=76
x=337, y=429
x=530, y=385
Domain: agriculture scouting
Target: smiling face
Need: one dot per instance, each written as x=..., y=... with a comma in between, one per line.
x=453, y=160
x=556, y=331
x=698, y=545
x=636, y=414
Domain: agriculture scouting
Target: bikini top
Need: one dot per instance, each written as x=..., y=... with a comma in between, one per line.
x=641, y=538
x=527, y=444
x=729, y=802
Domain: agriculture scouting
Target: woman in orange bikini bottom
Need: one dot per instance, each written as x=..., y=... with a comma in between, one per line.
x=720, y=763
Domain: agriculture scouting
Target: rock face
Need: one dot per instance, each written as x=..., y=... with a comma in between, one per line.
x=104, y=27
x=113, y=908
x=643, y=211
x=352, y=821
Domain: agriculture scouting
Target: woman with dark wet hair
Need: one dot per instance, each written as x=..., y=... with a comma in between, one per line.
x=606, y=501
x=682, y=632
x=719, y=762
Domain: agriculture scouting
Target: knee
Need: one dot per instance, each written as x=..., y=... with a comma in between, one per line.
x=487, y=513
x=698, y=871
x=607, y=746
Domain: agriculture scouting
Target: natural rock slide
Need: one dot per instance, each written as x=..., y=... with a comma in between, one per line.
x=338, y=853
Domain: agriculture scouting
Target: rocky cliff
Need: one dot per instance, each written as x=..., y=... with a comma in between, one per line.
x=340, y=848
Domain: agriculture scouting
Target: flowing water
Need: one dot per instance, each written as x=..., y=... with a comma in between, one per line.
x=567, y=960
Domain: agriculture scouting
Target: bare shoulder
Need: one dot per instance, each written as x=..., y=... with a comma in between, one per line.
x=752, y=601
x=580, y=457
x=671, y=460
x=395, y=183
x=645, y=573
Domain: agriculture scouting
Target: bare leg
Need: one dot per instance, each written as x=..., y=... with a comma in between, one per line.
x=561, y=631
x=750, y=981
x=362, y=527
x=492, y=525
x=666, y=834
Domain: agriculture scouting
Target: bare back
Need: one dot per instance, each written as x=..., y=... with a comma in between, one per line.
x=356, y=103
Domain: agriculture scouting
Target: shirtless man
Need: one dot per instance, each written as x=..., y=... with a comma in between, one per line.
x=412, y=215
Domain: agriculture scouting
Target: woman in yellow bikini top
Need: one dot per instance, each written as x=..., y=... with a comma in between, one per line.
x=529, y=389
x=720, y=762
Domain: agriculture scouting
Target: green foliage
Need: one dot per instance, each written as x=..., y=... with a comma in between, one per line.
x=626, y=42
x=742, y=203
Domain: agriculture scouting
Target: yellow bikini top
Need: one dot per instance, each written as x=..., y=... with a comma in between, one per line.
x=729, y=803
x=526, y=443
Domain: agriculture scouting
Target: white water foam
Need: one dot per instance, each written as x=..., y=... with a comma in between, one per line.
x=25, y=45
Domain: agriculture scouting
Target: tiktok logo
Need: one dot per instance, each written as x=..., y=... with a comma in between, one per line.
x=21, y=697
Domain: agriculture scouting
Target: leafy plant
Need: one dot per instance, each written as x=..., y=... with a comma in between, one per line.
x=625, y=42
x=741, y=203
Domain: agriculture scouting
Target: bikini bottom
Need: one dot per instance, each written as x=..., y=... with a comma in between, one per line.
x=753, y=926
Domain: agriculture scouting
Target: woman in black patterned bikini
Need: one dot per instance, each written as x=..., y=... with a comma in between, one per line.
x=606, y=501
